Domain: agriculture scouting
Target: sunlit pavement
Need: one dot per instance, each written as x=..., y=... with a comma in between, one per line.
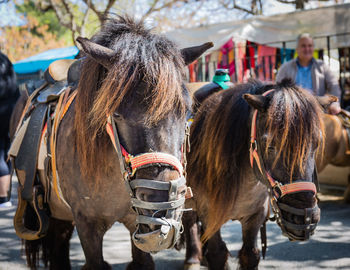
x=328, y=249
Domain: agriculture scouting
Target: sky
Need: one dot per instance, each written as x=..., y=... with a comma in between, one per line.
x=8, y=15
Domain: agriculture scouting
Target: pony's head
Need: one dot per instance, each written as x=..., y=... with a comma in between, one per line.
x=132, y=83
x=286, y=132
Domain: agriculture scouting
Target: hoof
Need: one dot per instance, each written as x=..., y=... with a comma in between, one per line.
x=138, y=266
x=192, y=266
x=105, y=266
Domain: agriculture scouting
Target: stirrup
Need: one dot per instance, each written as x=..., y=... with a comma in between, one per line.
x=38, y=205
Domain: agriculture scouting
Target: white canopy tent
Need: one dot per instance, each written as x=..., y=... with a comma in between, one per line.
x=332, y=21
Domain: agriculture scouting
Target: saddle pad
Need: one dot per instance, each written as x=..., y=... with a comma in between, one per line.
x=16, y=143
x=26, y=160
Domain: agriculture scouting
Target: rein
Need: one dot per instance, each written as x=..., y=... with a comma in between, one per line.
x=277, y=190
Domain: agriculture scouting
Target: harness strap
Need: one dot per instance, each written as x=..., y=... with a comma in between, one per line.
x=61, y=109
x=153, y=158
x=297, y=187
x=154, y=184
x=113, y=134
x=157, y=205
x=263, y=239
x=154, y=221
x=141, y=160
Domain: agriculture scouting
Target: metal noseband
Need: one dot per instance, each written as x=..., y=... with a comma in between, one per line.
x=168, y=227
x=277, y=190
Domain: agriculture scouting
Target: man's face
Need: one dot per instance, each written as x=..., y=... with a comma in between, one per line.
x=305, y=49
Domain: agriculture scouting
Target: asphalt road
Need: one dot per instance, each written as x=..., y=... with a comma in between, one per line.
x=329, y=248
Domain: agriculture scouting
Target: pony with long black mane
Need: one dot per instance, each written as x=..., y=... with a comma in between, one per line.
x=118, y=146
x=248, y=144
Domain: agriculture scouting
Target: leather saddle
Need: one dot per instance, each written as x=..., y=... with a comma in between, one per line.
x=204, y=91
x=39, y=111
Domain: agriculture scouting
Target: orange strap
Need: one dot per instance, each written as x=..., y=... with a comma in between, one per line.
x=61, y=108
x=146, y=158
x=156, y=157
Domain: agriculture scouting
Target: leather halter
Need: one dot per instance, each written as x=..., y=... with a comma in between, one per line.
x=129, y=163
x=279, y=189
x=170, y=225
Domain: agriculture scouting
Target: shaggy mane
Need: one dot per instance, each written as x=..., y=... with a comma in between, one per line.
x=220, y=141
x=140, y=56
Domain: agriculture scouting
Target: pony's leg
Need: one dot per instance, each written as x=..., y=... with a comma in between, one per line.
x=193, y=243
x=249, y=255
x=216, y=252
x=56, y=244
x=140, y=260
x=91, y=232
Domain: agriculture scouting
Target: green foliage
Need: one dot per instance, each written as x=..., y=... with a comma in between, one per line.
x=47, y=17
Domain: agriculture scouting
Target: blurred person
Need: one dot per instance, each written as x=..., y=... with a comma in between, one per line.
x=310, y=73
x=8, y=96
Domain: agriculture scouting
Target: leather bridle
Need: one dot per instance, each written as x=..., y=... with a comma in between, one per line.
x=277, y=190
x=170, y=225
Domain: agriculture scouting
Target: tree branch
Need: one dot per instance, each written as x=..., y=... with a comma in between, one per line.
x=235, y=6
x=166, y=5
x=91, y=6
x=109, y=6
x=286, y=2
x=75, y=27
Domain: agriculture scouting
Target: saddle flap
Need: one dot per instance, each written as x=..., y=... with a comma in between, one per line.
x=16, y=143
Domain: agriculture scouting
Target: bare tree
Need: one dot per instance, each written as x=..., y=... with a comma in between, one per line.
x=76, y=14
x=300, y=4
x=255, y=7
x=67, y=11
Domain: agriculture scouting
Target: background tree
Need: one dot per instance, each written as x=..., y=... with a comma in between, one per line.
x=20, y=42
x=55, y=23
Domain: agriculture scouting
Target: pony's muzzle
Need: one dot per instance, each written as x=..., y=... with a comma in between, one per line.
x=298, y=224
x=159, y=206
x=163, y=238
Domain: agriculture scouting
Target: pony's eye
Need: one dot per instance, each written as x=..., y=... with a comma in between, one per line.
x=116, y=115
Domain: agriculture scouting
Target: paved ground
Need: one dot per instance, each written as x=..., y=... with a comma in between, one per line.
x=328, y=249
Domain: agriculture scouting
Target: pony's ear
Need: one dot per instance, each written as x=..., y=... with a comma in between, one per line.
x=326, y=100
x=258, y=102
x=99, y=53
x=192, y=53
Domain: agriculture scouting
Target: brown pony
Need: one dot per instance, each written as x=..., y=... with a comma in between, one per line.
x=228, y=185
x=336, y=145
x=135, y=77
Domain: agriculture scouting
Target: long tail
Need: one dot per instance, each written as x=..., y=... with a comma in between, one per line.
x=53, y=247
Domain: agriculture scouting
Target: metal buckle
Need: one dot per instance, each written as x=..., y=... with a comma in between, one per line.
x=254, y=145
x=276, y=189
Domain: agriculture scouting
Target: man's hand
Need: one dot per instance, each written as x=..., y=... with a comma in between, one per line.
x=334, y=108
